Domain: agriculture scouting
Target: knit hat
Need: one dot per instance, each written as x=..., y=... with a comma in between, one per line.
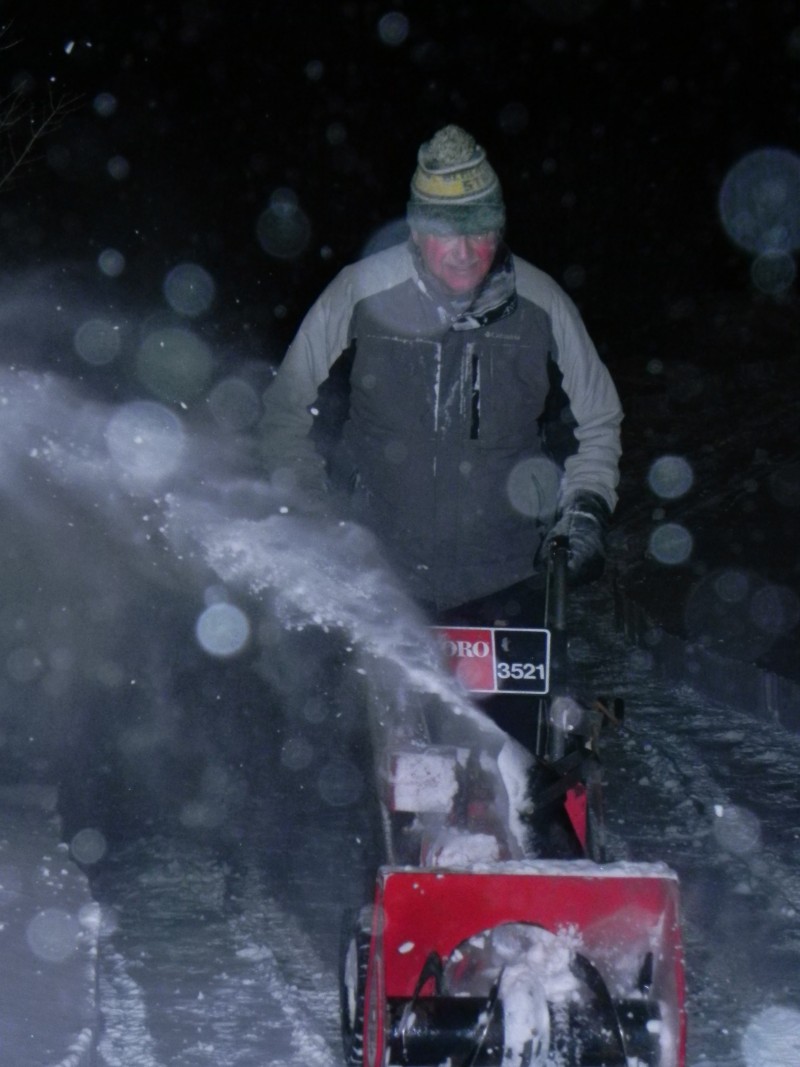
x=454, y=189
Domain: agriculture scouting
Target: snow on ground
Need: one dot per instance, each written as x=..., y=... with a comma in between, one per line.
x=709, y=789
x=203, y=967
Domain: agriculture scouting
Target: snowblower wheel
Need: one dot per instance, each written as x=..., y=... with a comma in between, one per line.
x=354, y=958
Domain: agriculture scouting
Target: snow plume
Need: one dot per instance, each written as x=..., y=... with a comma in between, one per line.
x=321, y=573
x=326, y=580
x=90, y=590
x=159, y=593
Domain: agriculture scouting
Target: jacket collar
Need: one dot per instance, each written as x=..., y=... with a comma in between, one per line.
x=496, y=297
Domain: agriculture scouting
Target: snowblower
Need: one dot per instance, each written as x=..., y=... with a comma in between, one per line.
x=478, y=950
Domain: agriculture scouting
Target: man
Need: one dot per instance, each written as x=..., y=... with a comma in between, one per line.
x=432, y=387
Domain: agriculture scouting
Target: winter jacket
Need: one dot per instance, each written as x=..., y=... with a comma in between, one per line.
x=438, y=420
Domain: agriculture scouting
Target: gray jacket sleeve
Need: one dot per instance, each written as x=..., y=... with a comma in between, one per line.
x=287, y=451
x=593, y=398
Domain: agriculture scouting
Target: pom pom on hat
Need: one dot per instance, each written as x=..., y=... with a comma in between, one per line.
x=454, y=189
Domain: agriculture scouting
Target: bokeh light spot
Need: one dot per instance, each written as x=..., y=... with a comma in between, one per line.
x=174, y=364
x=111, y=262
x=340, y=783
x=297, y=754
x=532, y=487
x=670, y=544
x=98, y=342
x=759, y=202
x=393, y=28
x=189, y=289
x=283, y=228
x=223, y=630
x=53, y=934
x=732, y=586
x=315, y=709
x=119, y=168
x=234, y=404
x=670, y=477
x=145, y=441
x=738, y=613
x=736, y=829
x=105, y=104
x=775, y=609
x=336, y=133
x=396, y=452
x=88, y=846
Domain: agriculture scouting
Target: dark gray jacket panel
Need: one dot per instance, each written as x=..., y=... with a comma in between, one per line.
x=438, y=421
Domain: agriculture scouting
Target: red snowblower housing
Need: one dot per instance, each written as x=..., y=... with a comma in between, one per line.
x=558, y=962
x=477, y=951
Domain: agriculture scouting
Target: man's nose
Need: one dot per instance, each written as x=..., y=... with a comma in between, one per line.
x=461, y=250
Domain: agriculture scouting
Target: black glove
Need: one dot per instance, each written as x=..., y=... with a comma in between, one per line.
x=584, y=521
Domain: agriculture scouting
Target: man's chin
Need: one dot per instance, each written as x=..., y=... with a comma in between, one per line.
x=460, y=285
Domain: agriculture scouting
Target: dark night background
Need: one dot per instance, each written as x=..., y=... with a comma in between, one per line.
x=612, y=125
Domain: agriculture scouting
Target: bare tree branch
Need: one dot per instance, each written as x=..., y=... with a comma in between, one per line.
x=23, y=125
x=24, y=122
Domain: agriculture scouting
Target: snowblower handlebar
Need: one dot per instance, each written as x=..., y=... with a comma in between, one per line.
x=557, y=584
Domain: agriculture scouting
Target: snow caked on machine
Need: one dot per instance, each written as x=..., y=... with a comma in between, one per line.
x=498, y=933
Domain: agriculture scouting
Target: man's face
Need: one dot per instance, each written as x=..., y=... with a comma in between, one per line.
x=459, y=261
